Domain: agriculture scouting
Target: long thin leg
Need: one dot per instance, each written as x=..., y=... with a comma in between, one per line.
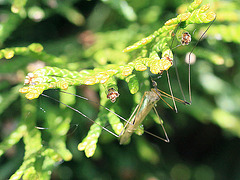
x=164, y=94
x=137, y=108
x=165, y=133
x=128, y=122
x=169, y=84
x=179, y=82
x=80, y=113
x=135, y=120
x=140, y=104
x=160, y=96
x=95, y=103
x=189, y=63
x=175, y=66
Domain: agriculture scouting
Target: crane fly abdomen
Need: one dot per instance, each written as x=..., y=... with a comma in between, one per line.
x=148, y=101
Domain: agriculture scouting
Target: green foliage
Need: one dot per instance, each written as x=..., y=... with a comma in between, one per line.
x=91, y=58
x=42, y=79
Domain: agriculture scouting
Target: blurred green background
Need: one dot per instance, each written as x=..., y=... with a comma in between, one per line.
x=204, y=137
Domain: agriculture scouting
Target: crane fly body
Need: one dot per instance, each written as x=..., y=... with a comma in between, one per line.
x=148, y=102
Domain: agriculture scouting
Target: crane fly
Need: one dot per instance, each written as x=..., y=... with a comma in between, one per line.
x=149, y=99
x=148, y=102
